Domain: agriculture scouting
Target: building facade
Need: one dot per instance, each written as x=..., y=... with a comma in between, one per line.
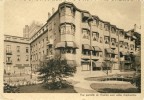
x=16, y=55
x=82, y=39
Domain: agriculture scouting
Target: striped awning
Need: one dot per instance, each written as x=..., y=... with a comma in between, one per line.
x=71, y=44
x=65, y=44
x=96, y=48
x=134, y=37
x=128, y=34
x=86, y=47
x=86, y=15
x=60, y=45
x=110, y=51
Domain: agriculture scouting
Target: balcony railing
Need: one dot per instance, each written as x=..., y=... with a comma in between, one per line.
x=85, y=57
x=9, y=62
x=95, y=57
x=8, y=52
x=50, y=42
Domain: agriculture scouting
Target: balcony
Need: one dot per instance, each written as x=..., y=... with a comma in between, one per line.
x=86, y=57
x=8, y=52
x=85, y=26
x=50, y=42
x=113, y=46
x=9, y=62
x=95, y=57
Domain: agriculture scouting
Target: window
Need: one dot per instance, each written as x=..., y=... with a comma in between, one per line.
x=27, y=58
x=66, y=11
x=18, y=48
x=85, y=34
x=8, y=59
x=95, y=53
x=101, y=40
x=107, y=39
x=132, y=46
x=95, y=36
x=113, y=30
x=67, y=29
x=121, y=43
x=7, y=38
x=18, y=57
x=62, y=11
x=8, y=48
x=106, y=28
x=85, y=52
x=68, y=50
x=113, y=41
x=43, y=43
x=27, y=50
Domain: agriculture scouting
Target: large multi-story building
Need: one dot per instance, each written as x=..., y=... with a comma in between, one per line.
x=82, y=39
x=16, y=54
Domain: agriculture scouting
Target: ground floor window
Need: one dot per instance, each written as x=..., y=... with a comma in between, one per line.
x=85, y=66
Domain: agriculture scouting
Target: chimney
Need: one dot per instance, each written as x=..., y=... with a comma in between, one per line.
x=25, y=31
x=49, y=15
x=134, y=27
x=53, y=10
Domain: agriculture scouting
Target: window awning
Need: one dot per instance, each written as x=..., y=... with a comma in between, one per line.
x=60, y=45
x=128, y=34
x=71, y=44
x=110, y=51
x=86, y=47
x=66, y=44
x=86, y=15
x=96, y=48
x=85, y=60
x=134, y=37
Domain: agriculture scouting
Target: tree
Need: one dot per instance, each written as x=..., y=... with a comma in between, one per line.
x=53, y=71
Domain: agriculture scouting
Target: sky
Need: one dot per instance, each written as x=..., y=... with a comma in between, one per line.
x=18, y=13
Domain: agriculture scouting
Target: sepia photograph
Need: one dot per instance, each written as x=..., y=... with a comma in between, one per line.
x=85, y=46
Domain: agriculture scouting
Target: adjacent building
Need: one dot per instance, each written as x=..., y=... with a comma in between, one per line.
x=82, y=39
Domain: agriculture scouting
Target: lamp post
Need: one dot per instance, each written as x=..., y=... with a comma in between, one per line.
x=90, y=22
